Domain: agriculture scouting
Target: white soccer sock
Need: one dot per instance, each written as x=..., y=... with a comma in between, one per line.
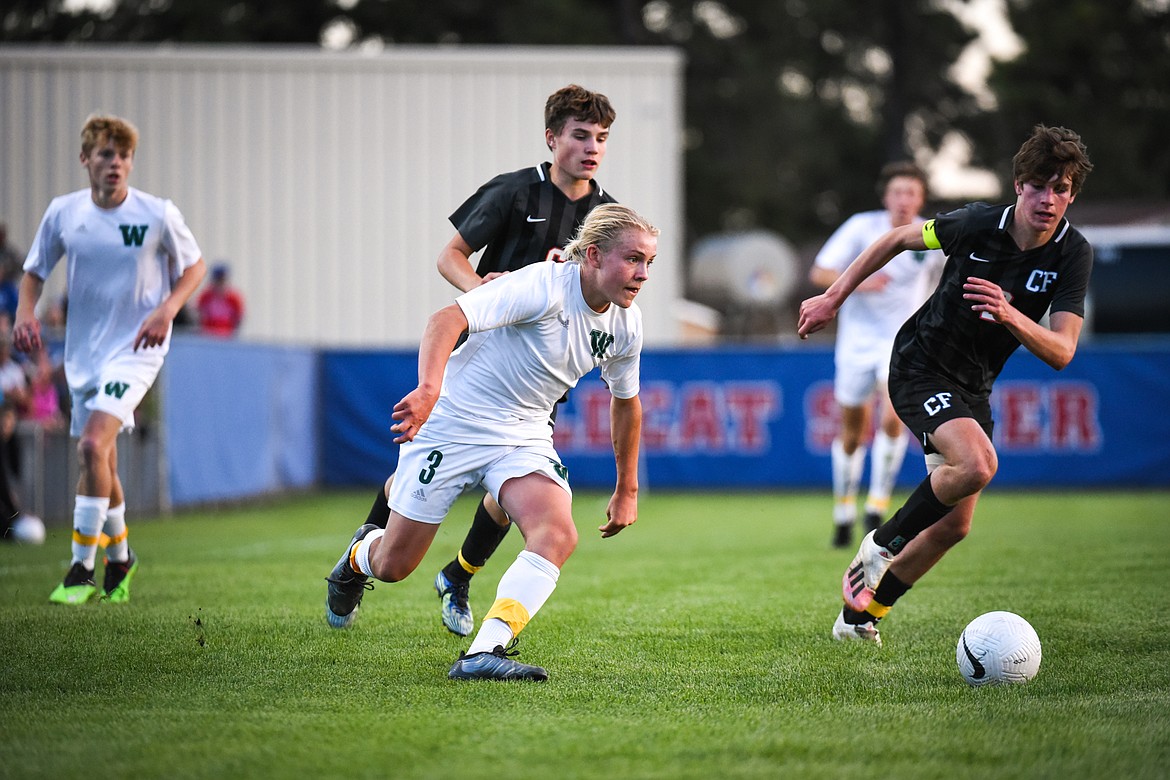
x=846, y=482
x=361, y=558
x=888, y=453
x=118, y=549
x=89, y=515
x=523, y=589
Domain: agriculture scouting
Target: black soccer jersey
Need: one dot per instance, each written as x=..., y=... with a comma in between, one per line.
x=946, y=337
x=522, y=218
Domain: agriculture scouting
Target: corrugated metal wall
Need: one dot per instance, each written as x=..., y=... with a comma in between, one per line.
x=325, y=179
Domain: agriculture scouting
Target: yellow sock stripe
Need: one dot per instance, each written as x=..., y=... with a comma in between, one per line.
x=117, y=539
x=877, y=610
x=82, y=539
x=353, y=557
x=467, y=567
x=511, y=612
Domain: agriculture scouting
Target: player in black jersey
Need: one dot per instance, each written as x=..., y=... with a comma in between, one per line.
x=518, y=218
x=1006, y=266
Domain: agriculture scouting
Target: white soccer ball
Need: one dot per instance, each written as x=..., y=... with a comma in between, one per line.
x=27, y=529
x=998, y=648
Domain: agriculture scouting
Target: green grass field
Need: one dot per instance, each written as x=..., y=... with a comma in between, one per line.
x=693, y=645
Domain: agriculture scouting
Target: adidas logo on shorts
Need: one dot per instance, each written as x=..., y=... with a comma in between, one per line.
x=419, y=495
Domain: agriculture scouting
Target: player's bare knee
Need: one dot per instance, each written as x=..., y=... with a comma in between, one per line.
x=556, y=541
x=570, y=539
x=975, y=471
x=92, y=450
x=982, y=471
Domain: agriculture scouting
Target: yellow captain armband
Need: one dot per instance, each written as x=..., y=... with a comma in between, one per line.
x=928, y=235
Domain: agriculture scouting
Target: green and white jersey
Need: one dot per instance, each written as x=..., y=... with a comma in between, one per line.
x=532, y=338
x=121, y=264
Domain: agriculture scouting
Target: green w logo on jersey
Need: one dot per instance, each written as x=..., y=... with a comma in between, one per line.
x=600, y=342
x=117, y=389
x=132, y=235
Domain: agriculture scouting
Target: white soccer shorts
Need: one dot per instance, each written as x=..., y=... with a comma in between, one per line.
x=432, y=474
x=855, y=380
x=121, y=386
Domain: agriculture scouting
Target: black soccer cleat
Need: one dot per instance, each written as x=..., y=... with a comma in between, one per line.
x=116, y=584
x=78, y=587
x=496, y=665
x=346, y=586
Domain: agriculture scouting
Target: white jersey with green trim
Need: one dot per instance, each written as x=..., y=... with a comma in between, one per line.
x=121, y=264
x=532, y=338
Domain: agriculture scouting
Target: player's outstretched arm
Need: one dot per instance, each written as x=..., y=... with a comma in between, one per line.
x=818, y=311
x=26, y=330
x=625, y=421
x=439, y=339
x=157, y=325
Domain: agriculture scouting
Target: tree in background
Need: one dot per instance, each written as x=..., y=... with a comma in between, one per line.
x=793, y=107
x=1102, y=69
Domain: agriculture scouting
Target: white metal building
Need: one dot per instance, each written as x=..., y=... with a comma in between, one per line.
x=325, y=179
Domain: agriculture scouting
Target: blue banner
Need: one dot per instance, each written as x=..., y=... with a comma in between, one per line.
x=765, y=418
x=240, y=419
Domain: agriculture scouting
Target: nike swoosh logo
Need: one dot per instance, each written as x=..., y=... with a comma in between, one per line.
x=977, y=670
x=536, y=219
x=978, y=259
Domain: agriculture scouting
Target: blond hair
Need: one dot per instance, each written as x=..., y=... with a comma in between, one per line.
x=101, y=128
x=603, y=227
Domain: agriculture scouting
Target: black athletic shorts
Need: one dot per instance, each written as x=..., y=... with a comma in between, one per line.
x=925, y=401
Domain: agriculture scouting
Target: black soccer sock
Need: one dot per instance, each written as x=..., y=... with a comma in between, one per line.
x=889, y=590
x=380, y=511
x=482, y=540
x=921, y=511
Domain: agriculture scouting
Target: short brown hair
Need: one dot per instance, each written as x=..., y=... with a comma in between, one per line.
x=893, y=170
x=575, y=102
x=100, y=128
x=1052, y=151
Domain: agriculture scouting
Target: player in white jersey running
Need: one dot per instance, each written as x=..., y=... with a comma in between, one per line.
x=543, y=327
x=866, y=326
x=132, y=263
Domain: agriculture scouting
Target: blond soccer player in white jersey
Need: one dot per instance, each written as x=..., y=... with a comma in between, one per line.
x=543, y=327
x=132, y=263
x=866, y=327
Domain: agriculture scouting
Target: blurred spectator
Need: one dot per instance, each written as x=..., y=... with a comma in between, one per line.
x=11, y=267
x=13, y=383
x=53, y=324
x=220, y=306
x=44, y=400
